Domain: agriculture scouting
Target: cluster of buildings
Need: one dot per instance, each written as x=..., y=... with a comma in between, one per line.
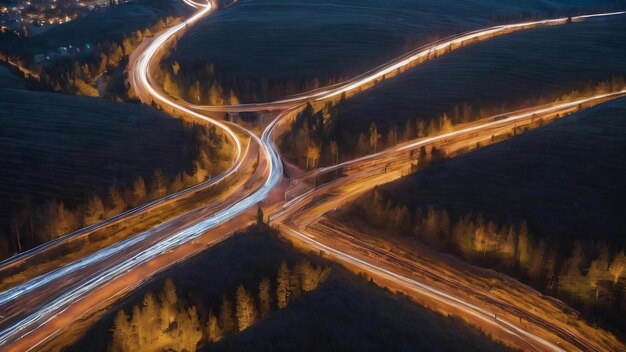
x=34, y=16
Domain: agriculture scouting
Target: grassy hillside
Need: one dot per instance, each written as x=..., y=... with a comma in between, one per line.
x=567, y=179
x=504, y=71
x=545, y=207
x=10, y=80
x=298, y=41
x=503, y=74
x=67, y=148
x=346, y=313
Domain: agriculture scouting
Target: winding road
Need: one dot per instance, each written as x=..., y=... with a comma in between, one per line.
x=38, y=310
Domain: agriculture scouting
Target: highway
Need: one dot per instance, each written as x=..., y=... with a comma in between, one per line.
x=397, y=65
x=493, y=123
x=301, y=217
x=69, y=292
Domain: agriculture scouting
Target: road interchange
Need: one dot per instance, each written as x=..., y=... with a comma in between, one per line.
x=205, y=221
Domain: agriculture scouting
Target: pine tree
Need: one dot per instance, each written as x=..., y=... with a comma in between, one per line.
x=409, y=132
x=295, y=285
x=150, y=314
x=94, y=212
x=175, y=68
x=433, y=128
x=617, y=266
x=246, y=310
x=446, y=124
x=159, y=184
x=137, y=328
x=444, y=226
x=265, y=297
x=536, y=269
x=392, y=137
x=282, y=286
x=216, y=94
x=363, y=145
x=226, y=319
x=260, y=217
x=177, y=184
x=233, y=98
x=334, y=150
x=188, y=331
x=169, y=304
x=374, y=136
x=571, y=272
x=420, y=129
x=306, y=275
x=194, y=93
x=170, y=87
x=102, y=66
x=598, y=271
x=118, y=204
x=214, y=332
x=139, y=190
x=523, y=245
x=312, y=156
x=430, y=226
x=121, y=340
x=57, y=221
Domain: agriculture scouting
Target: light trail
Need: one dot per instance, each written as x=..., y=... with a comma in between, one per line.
x=471, y=309
x=38, y=319
x=502, y=119
x=141, y=78
x=289, y=214
x=515, y=118
x=401, y=62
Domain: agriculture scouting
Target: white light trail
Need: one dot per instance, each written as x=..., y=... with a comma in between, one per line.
x=38, y=319
x=476, y=311
x=404, y=61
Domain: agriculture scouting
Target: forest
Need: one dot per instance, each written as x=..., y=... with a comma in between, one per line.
x=589, y=274
x=164, y=322
x=321, y=138
x=201, y=82
x=93, y=70
x=79, y=74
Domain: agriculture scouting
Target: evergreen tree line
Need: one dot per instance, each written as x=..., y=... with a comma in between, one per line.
x=316, y=139
x=591, y=272
x=77, y=73
x=319, y=138
x=201, y=82
x=166, y=323
x=33, y=224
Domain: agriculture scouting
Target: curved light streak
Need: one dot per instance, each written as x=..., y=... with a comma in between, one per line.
x=38, y=319
x=469, y=308
x=502, y=119
x=399, y=63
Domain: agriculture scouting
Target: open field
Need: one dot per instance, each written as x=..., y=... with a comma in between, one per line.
x=345, y=312
x=327, y=39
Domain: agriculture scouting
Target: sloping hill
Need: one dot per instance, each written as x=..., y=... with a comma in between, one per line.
x=288, y=44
